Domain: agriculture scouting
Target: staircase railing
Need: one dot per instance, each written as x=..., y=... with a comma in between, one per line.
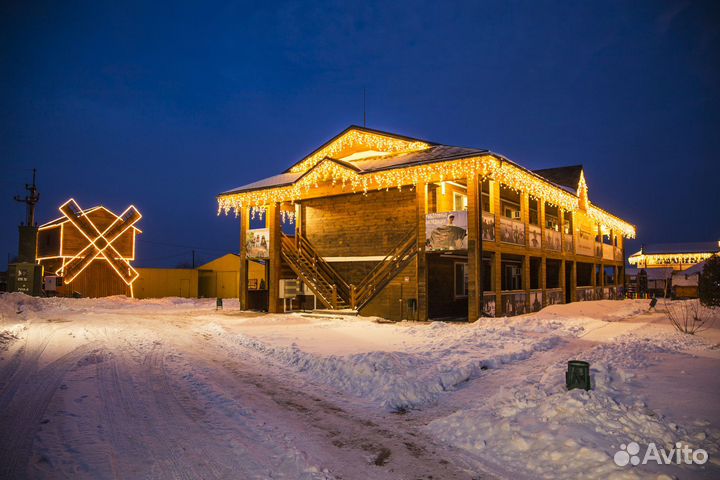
x=395, y=261
x=315, y=272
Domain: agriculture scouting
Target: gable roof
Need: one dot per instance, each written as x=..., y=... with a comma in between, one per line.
x=87, y=211
x=436, y=153
x=359, y=129
x=564, y=176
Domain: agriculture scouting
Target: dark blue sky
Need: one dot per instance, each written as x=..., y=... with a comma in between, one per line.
x=166, y=105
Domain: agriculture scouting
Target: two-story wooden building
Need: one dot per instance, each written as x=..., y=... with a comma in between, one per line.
x=408, y=229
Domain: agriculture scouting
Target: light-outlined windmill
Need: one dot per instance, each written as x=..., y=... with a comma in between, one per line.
x=91, y=249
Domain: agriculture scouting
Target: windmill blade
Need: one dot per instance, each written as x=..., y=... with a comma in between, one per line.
x=120, y=265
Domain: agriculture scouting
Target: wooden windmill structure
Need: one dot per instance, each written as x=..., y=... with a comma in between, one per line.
x=90, y=250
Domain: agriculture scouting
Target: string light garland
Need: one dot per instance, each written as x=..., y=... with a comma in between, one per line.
x=354, y=138
x=668, y=259
x=326, y=171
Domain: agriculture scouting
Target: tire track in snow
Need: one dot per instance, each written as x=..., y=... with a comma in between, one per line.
x=30, y=396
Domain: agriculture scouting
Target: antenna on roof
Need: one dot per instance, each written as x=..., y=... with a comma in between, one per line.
x=364, y=111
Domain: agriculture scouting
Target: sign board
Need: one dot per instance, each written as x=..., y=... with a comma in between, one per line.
x=446, y=231
x=257, y=243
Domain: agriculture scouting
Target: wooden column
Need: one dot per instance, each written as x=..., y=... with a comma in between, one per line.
x=497, y=273
x=543, y=278
x=563, y=283
x=274, y=225
x=573, y=285
x=421, y=262
x=474, y=260
x=244, y=267
x=526, y=278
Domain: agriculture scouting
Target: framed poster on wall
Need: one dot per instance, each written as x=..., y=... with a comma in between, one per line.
x=446, y=231
x=257, y=243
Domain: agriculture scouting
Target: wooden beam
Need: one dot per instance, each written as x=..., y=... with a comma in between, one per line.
x=273, y=223
x=244, y=267
x=421, y=263
x=474, y=260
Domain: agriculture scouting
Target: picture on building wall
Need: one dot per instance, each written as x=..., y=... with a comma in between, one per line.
x=446, y=231
x=488, y=227
x=257, y=243
x=534, y=236
x=512, y=231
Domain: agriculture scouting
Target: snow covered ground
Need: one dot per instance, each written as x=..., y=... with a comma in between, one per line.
x=171, y=388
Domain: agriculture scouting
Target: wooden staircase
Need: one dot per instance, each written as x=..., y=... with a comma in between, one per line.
x=327, y=285
x=399, y=257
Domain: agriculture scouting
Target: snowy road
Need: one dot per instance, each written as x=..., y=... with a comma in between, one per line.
x=127, y=394
x=171, y=388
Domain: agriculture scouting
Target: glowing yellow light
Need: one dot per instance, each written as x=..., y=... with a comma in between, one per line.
x=353, y=138
x=99, y=243
x=665, y=259
x=486, y=166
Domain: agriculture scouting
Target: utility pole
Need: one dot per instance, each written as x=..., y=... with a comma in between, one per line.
x=30, y=201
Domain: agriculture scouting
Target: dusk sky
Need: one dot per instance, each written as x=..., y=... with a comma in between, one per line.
x=165, y=105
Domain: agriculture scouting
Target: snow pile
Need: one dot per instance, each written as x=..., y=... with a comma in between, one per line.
x=18, y=304
x=540, y=430
x=401, y=381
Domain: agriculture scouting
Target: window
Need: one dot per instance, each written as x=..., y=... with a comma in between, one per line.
x=460, y=202
x=461, y=280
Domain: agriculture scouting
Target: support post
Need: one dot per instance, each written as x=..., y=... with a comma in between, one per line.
x=563, y=283
x=495, y=201
x=421, y=259
x=474, y=260
x=244, y=267
x=273, y=223
x=543, y=279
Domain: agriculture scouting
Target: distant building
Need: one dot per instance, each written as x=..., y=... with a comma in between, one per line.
x=666, y=269
x=677, y=256
x=685, y=282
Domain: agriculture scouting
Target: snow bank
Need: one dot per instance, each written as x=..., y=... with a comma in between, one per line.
x=400, y=380
x=19, y=303
x=540, y=430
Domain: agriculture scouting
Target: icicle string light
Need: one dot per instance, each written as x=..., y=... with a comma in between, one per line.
x=333, y=173
x=353, y=138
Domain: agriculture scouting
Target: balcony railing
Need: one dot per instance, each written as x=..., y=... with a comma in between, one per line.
x=553, y=240
x=488, y=305
x=598, y=249
x=585, y=245
x=568, y=242
x=536, y=300
x=512, y=231
x=585, y=294
x=618, y=256
x=514, y=303
x=608, y=252
x=554, y=296
x=488, y=227
x=534, y=236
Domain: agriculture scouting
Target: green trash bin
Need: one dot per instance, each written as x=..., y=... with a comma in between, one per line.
x=578, y=375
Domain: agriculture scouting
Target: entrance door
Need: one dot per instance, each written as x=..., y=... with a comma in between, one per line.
x=447, y=287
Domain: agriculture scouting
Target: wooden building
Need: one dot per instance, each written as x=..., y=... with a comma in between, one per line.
x=676, y=256
x=402, y=228
x=90, y=251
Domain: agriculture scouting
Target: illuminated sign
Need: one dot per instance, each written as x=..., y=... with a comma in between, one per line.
x=100, y=243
